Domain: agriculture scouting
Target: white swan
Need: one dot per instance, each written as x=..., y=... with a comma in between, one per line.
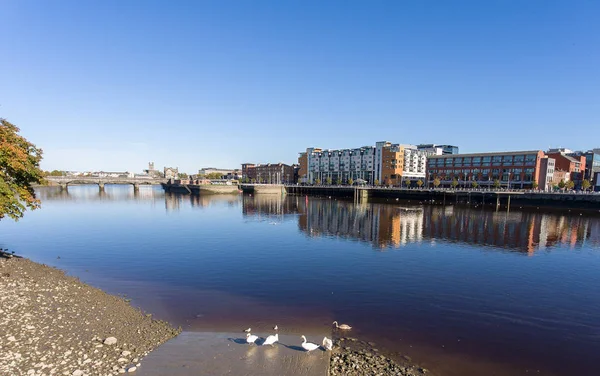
x=308, y=346
x=343, y=326
x=247, y=330
x=327, y=343
x=275, y=327
x=251, y=338
x=271, y=340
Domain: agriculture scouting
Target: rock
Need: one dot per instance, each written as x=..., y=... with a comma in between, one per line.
x=12, y=338
x=121, y=360
x=110, y=341
x=77, y=373
x=125, y=353
x=131, y=369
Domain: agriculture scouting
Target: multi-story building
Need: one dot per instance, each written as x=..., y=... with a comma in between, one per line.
x=248, y=172
x=547, y=166
x=515, y=169
x=385, y=163
x=337, y=165
x=434, y=149
x=274, y=173
x=592, y=163
x=572, y=164
x=171, y=172
x=401, y=163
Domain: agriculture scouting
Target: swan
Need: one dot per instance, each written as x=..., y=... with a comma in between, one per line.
x=247, y=330
x=343, y=326
x=271, y=340
x=327, y=343
x=251, y=338
x=275, y=327
x=308, y=346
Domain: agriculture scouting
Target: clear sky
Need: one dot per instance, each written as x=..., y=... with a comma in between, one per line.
x=113, y=85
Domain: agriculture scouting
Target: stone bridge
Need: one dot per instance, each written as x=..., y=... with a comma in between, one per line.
x=65, y=181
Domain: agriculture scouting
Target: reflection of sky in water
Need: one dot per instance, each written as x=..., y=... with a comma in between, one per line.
x=456, y=272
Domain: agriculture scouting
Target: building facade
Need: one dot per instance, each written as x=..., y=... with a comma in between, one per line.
x=248, y=172
x=171, y=172
x=401, y=164
x=274, y=173
x=517, y=169
x=547, y=166
x=339, y=166
x=434, y=149
x=571, y=163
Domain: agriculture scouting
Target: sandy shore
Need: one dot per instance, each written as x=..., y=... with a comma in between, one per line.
x=53, y=324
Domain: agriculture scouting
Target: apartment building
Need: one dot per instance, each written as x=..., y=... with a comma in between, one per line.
x=571, y=163
x=547, y=166
x=338, y=165
x=434, y=149
x=401, y=163
x=516, y=169
x=269, y=173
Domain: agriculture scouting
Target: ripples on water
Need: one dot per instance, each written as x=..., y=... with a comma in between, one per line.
x=469, y=292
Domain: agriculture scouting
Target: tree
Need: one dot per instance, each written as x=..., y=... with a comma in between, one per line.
x=328, y=181
x=570, y=184
x=56, y=173
x=407, y=182
x=496, y=183
x=182, y=175
x=318, y=181
x=562, y=184
x=420, y=183
x=474, y=184
x=585, y=185
x=213, y=175
x=350, y=181
x=338, y=181
x=19, y=170
x=454, y=183
x=436, y=182
x=534, y=185
x=376, y=181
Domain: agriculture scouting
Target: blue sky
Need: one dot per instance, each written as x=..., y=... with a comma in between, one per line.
x=114, y=84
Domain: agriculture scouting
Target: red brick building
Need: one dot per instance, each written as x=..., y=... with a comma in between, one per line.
x=514, y=169
x=574, y=166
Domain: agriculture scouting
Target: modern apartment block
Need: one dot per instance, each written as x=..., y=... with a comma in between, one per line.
x=385, y=163
x=516, y=169
x=269, y=173
x=400, y=163
x=434, y=149
x=338, y=165
x=547, y=166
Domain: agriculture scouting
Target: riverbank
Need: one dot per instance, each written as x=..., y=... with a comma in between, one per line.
x=53, y=324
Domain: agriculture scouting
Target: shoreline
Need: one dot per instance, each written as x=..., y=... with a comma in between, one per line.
x=55, y=324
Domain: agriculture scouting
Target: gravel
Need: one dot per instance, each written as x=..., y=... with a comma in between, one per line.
x=53, y=324
x=353, y=357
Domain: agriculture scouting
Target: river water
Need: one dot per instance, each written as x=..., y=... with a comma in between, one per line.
x=462, y=291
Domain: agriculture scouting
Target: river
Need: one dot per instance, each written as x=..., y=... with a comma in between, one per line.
x=462, y=291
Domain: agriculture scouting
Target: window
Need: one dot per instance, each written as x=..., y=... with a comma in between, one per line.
x=519, y=158
x=476, y=160
x=507, y=159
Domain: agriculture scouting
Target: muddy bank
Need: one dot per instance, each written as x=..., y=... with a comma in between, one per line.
x=53, y=324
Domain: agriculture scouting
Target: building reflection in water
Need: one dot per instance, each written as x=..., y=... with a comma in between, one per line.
x=393, y=226
x=115, y=192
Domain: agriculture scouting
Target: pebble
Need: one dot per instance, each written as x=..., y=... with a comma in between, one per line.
x=110, y=341
x=77, y=373
x=125, y=353
x=131, y=369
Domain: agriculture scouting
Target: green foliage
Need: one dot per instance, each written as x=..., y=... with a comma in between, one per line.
x=436, y=182
x=562, y=184
x=570, y=184
x=182, y=175
x=535, y=185
x=338, y=181
x=55, y=173
x=19, y=170
x=407, y=182
x=213, y=175
x=329, y=181
x=318, y=181
x=496, y=183
x=585, y=185
x=474, y=184
x=420, y=183
x=376, y=181
x=350, y=181
x=454, y=183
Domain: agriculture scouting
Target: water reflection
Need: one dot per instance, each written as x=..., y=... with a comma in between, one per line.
x=393, y=226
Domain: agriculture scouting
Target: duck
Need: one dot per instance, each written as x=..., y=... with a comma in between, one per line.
x=308, y=346
x=327, y=343
x=343, y=326
x=251, y=338
x=248, y=330
x=271, y=340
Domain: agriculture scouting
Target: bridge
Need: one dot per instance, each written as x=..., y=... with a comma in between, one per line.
x=65, y=181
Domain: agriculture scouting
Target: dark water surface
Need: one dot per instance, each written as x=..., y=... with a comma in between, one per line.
x=463, y=291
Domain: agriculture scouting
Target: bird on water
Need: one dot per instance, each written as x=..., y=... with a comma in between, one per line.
x=327, y=343
x=343, y=326
x=248, y=330
x=308, y=346
x=271, y=340
x=251, y=338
